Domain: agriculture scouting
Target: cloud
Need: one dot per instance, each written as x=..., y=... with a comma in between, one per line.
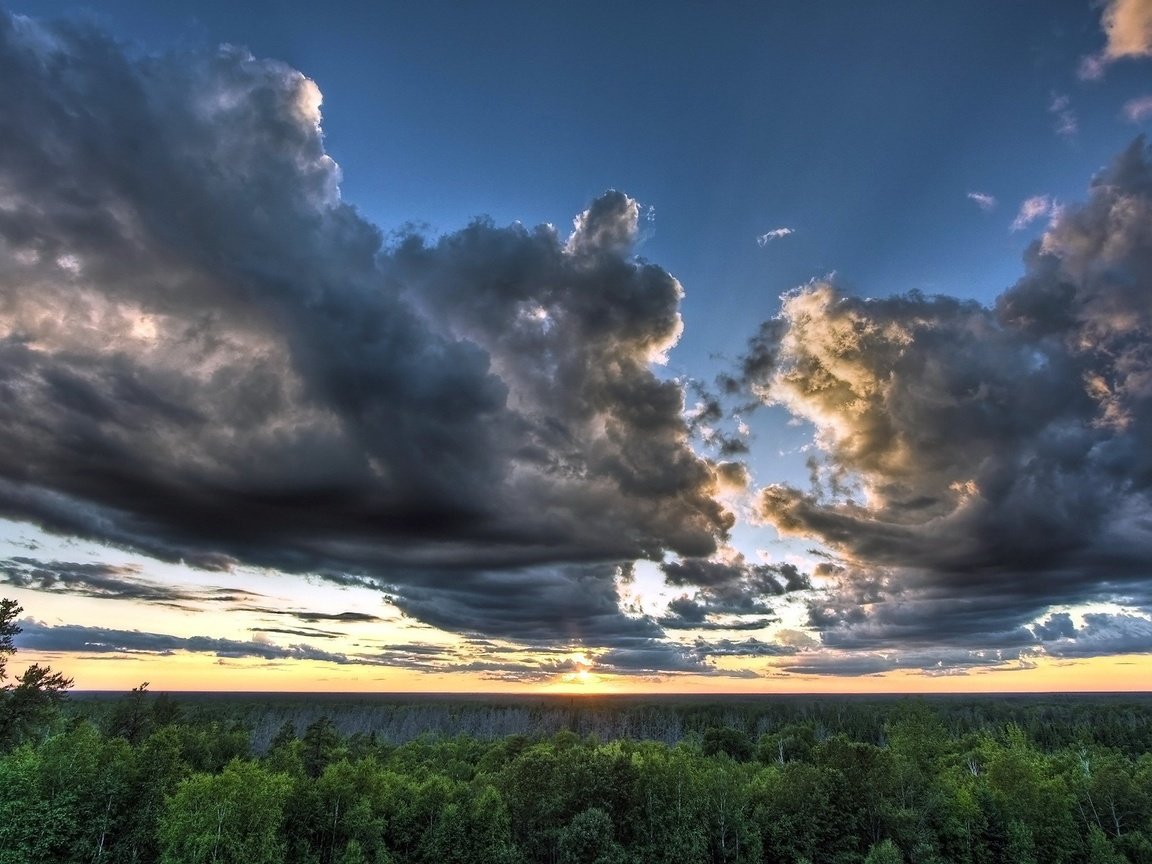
x=1128, y=26
x=38, y=636
x=702, y=419
x=1138, y=110
x=990, y=462
x=1066, y=123
x=774, y=234
x=750, y=647
x=207, y=356
x=108, y=581
x=732, y=476
x=1036, y=207
x=731, y=595
x=985, y=202
x=306, y=634
x=573, y=604
x=758, y=579
x=660, y=658
x=644, y=657
x=1100, y=634
x=309, y=617
x=1057, y=626
x=931, y=662
x=1092, y=67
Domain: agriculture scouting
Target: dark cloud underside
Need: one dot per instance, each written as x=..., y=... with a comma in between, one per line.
x=207, y=356
x=979, y=465
x=645, y=657
x=107, y=581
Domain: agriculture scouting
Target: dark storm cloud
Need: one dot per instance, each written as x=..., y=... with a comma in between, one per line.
x=575, y=604
x=313, y=617
x=708, y=612
x=119, y=582
x=687, y=613
x=909, y=621
x=930, y=661
x=987, y=462
x=571, y=330
x=848, y=665
x=660, y=658
x=1101, y=634
x=700, y=571
x=727, y=589
x=646, y=657
x=704, y=423
x=1058, y=626
x=207, y=356
x=751, y=647
x=306, y=634
x=851, y=664
x=37, y=636
x=417, y=648
x=634, y=656
x=875, y=609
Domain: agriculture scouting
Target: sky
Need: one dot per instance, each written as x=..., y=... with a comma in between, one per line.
x=790, y=347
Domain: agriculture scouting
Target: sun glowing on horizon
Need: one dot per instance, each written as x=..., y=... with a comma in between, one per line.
x=579, y=673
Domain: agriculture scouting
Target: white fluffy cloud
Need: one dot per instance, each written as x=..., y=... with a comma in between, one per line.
x=985, y=202
x=1061, y=108
x=774, y=234
x=1127, y=25
x=1036, y=207
x=1138, y=110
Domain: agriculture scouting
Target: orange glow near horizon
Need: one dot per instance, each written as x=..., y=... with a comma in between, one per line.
x=195, y=672
x=368, y=645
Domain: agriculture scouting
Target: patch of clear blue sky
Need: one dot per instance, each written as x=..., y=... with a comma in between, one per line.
x=861, y=126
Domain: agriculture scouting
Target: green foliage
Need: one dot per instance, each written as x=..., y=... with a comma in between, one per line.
x=29, y=707
x=795, y=742
x=1020, y=846
x=588, y=839
x=233, y=817
x=131, y=718
x=178, y=784
x=320, y=746
x=66, y=799
x=284, y=737
x=733, y=742
x=9, y=609
x=806, y=811
x=884, y=852
x=1101, y=850
x=1136, y=846
x=353, y=854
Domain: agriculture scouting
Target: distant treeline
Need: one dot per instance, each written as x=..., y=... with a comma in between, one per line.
x=1123, y=721
x=142, y=778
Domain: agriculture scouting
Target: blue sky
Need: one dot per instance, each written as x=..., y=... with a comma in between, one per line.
x=861, y=128
x=877, y=148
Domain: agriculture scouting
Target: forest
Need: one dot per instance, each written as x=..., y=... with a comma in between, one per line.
x=144, y=777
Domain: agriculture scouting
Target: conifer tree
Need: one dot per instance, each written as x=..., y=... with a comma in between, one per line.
x=29, y=705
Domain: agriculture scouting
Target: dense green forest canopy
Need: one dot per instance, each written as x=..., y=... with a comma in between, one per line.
x=151, y=778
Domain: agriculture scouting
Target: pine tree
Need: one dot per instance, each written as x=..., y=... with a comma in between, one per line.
x=26, y=708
